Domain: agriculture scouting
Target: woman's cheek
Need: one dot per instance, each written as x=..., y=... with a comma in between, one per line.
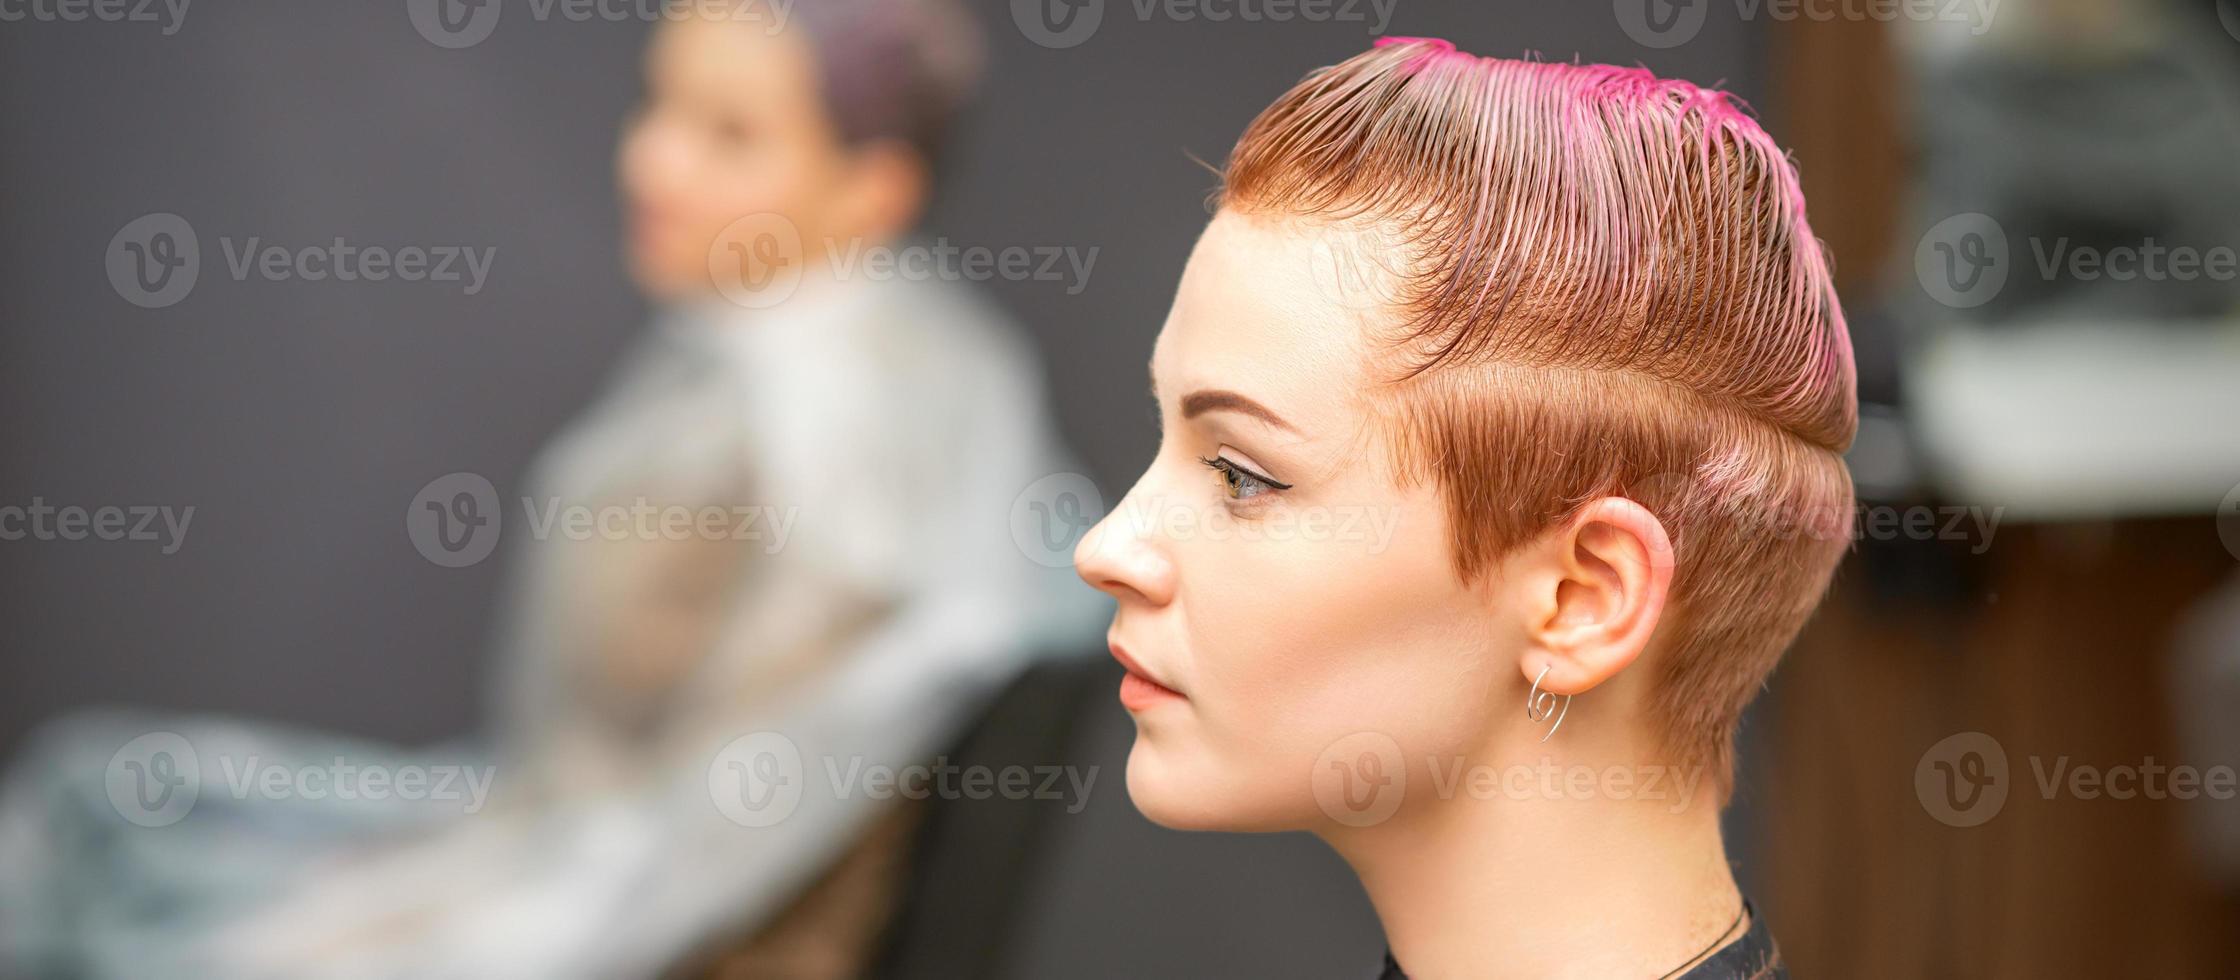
x=1308, y=640
x=1275, y=632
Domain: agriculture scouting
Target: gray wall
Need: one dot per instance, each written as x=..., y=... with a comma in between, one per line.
x=300, y=418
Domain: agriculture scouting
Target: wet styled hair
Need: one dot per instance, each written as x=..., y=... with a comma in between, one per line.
x=1599, y=283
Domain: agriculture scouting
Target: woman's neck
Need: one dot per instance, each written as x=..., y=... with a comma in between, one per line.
x=1544, y=873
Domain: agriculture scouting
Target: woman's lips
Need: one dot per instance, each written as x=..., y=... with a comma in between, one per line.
x=1137, y=690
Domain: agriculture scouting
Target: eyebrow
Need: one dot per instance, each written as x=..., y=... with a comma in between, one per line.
x=1206, y=400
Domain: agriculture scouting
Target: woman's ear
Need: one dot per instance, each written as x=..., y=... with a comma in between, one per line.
x=1598, y=588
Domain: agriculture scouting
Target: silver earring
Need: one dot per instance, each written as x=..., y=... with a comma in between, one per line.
x=1538, y=704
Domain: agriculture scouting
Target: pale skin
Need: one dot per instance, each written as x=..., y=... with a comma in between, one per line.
x=734, y=125
x=1280, y=647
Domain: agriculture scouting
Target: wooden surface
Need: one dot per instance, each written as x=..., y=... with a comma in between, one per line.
x=2057, y=645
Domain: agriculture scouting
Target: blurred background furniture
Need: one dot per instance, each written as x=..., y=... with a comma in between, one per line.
x=2094, y=417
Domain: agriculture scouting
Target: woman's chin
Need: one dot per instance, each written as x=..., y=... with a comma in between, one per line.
x=1178, y=802
x=661, y=280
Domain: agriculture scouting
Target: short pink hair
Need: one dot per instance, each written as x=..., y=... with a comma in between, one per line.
x=1604, y=285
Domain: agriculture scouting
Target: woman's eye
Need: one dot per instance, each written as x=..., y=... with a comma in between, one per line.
x=1240, y=483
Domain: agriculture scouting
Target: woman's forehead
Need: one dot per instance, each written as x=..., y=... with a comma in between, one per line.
x=1250, y=312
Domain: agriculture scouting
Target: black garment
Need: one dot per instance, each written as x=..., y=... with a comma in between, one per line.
x=1752, y=957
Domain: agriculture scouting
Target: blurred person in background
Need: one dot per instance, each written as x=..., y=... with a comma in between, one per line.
x=864, y=437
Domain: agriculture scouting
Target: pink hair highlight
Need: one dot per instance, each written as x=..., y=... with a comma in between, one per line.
x=1605, y=285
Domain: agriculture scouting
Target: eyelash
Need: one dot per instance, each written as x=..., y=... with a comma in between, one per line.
x=1234, y=477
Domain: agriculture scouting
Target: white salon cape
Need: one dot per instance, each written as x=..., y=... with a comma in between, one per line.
x=776, y=555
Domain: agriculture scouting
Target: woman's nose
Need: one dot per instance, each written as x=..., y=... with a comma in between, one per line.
x=1126, y=558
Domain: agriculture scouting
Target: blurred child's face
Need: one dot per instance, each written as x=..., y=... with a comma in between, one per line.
x=1277, y=621
x=733, y=125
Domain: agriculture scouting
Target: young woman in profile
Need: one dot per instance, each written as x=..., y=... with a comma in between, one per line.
x=1563, y=331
